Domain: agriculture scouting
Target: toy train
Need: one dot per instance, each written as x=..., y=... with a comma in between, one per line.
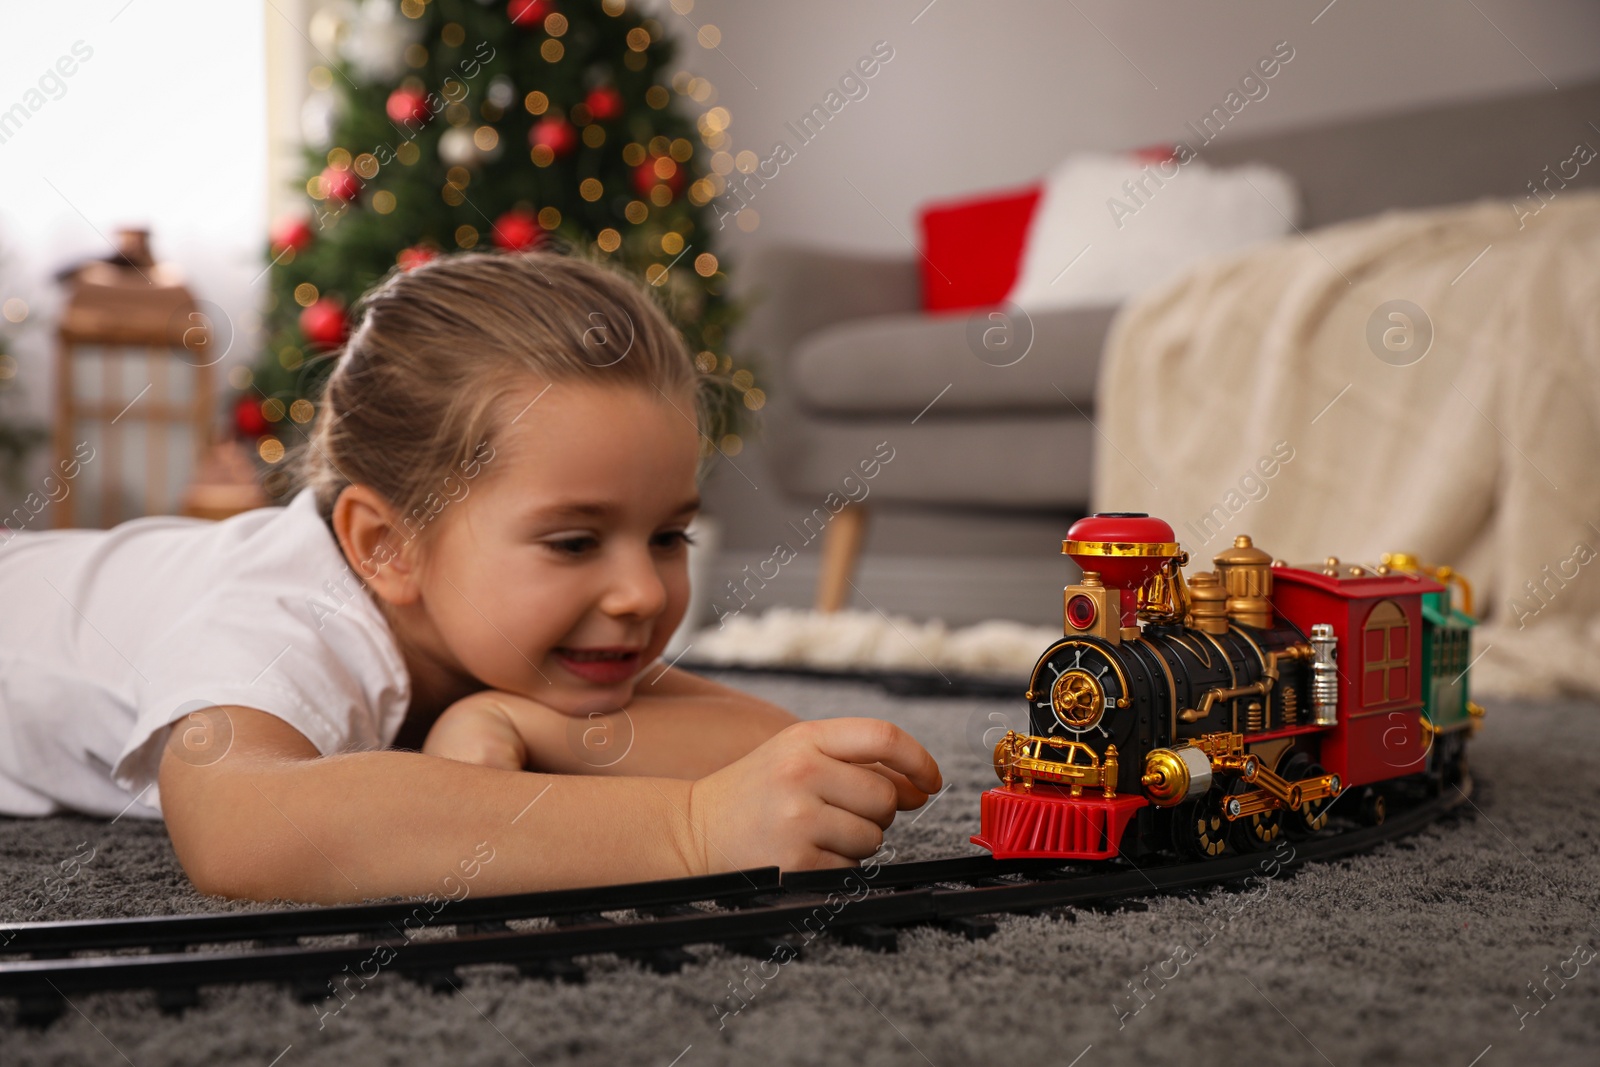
x=1210, y=715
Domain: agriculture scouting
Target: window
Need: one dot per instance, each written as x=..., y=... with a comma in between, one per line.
x=1386, y=652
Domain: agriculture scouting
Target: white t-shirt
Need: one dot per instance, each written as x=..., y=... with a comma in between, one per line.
x=109, y=636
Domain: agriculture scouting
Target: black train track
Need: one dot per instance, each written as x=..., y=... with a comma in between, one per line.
x=758, y=912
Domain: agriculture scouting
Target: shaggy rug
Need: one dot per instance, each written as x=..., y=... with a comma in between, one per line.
x=1471, y=944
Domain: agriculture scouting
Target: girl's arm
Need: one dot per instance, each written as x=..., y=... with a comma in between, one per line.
x=678, y=725
x=272, y=819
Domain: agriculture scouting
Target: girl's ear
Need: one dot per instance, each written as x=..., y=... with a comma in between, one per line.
x=375, y=545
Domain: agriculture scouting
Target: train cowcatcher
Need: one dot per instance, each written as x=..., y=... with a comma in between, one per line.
x=1210, y=714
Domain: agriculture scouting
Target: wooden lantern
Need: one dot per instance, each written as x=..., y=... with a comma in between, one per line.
x=134, y=383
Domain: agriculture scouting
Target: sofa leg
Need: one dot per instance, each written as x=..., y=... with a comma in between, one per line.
x=841, y=548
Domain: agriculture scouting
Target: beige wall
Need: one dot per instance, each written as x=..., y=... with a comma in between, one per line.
x=983, y=94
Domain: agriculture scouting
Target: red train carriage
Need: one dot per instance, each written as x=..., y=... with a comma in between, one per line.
x=1377, y=621
x=1211, y=713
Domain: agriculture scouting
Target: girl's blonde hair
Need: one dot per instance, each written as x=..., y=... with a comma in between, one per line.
x=422, y=382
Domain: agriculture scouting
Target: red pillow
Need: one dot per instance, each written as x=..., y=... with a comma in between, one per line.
x=972, y=248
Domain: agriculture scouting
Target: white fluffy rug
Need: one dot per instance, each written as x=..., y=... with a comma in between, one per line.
x=868, y=640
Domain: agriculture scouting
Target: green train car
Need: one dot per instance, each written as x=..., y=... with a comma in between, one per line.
x=1449, y=715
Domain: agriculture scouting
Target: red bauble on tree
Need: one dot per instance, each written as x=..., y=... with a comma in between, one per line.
x=658, y=170
x=324, y=324
x=529, y=13
x=604, y=104
x=340, y=185
x=247, y=417
x=291, y=231
x=408, y=107
x=415, y=256
x=518, y=230
x=556, y=134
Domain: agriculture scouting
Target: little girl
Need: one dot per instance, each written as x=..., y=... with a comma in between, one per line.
x=446, y=646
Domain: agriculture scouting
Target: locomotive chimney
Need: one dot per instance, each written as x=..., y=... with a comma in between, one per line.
x=1125, y=548
x=1246, y=575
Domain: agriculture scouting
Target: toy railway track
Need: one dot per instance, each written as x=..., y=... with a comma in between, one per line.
x=756, y=912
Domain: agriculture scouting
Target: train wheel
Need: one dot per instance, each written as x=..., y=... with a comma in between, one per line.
x=1374, y=807
x=1253, y=832
x=1198, y=827
x=1313, y=815
x=1451, y=750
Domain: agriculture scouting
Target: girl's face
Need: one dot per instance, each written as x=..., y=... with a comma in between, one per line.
x=564, y=570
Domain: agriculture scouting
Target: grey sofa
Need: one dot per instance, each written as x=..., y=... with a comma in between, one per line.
x=853, y=361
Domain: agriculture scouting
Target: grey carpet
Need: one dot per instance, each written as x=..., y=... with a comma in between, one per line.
x=1421, y=952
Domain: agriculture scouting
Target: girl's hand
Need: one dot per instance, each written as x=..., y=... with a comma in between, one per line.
x=479, y=729
x=810, y=796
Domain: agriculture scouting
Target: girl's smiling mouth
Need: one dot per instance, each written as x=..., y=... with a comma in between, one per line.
x=602, y=666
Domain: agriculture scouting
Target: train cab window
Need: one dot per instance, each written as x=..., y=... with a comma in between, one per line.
x=1386, y=648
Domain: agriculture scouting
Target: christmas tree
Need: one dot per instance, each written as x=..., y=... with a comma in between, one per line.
x=457, y=124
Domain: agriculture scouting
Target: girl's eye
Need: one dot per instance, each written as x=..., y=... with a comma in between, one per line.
x=572, y=546
x=674, y=539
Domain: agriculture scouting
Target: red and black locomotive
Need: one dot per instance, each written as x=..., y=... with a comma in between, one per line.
x=1212, y=713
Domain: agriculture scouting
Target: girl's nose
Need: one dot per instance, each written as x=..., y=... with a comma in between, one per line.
x=636, y=588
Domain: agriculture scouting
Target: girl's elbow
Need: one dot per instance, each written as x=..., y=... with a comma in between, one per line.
x=227, y=865
x=268, y=872
x=211, y=881
x=236, y=858
x=214, y=876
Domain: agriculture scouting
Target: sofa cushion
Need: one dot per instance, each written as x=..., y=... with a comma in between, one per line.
x=897, y=364
x=1109, y=227
x=972, y=248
